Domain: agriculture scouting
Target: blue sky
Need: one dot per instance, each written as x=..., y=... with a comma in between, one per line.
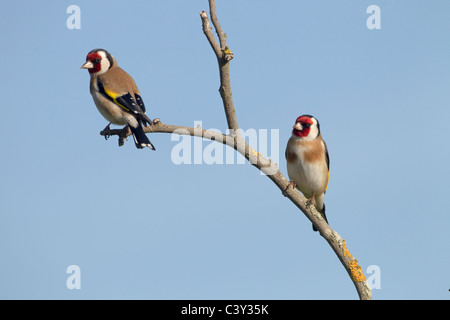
x=141, y=227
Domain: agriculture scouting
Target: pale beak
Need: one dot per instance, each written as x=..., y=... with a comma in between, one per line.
x=87, y=65
x=298, y=126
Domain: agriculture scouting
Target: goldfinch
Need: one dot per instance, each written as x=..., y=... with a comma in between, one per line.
x=308, y=163
x=116, y=95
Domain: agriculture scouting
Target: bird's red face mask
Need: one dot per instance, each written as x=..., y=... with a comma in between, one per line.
x=302, y=126
x=93, y=63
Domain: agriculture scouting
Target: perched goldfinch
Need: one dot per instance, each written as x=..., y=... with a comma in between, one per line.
x=116, y=95
x=308, y=163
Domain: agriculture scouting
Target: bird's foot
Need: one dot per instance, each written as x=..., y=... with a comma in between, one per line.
x=311, y=201
x=126, y=131
x=290, y=185
x=107, y=131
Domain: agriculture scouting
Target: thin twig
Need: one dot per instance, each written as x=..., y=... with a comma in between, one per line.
x=207, y=30
x=222, y=36
x=223, y=58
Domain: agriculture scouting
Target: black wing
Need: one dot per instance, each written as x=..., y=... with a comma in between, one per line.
x=140, y=102
x=126, y=102
x=327, y=156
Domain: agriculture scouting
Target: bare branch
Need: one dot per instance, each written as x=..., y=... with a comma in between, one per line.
x=223, y=58
x=233, y=140
x=222, y=36
x=207, y=30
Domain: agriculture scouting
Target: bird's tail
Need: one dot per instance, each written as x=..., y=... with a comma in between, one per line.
x=323, y=216
x=140, y=138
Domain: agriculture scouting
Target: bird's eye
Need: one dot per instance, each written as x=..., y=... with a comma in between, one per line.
x=97, y=60
x=307, y=125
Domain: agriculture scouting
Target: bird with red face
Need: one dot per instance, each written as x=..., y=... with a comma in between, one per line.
x=117, y=96
x=308, y=162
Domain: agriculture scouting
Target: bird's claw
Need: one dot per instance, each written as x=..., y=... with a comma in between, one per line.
x=290, y=185
x=107, y=131
x=311, y=201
